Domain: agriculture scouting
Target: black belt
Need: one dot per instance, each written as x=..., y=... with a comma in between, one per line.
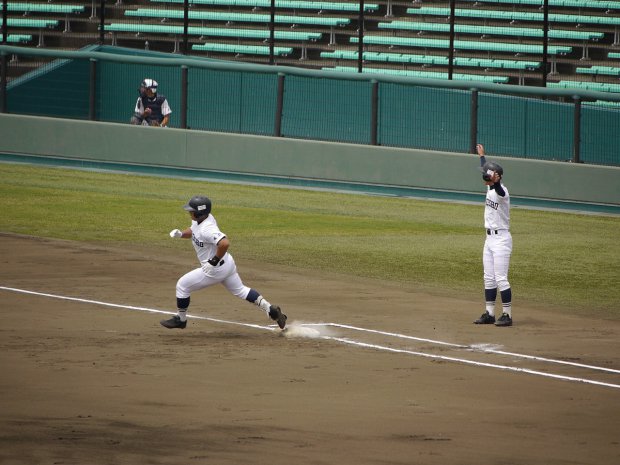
x=492, y=231
x=221, y=263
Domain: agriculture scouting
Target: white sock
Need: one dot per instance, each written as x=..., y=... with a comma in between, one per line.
x=262, y=303
x=183, y=314
x=507, y=308
x=490, y=306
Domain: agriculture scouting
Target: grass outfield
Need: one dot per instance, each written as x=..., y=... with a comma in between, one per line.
x=561, y=259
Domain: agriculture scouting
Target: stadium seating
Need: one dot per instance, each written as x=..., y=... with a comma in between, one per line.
x=45, y=8
x=211, y=31
x=599, y=86
x=17, y=38
x=422, y=74
x=605, y=70
x=231, y=17
x=490, y=30
x=601, y=4
x=438, y=60
x=487, y=46
x=40, y=24
x=511, y=15
x=243, y=49
x=288, y=4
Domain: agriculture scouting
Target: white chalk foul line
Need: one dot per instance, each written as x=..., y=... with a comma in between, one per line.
x=474, y=349
x=130, y=307
x=337, y=339
x=471, y=362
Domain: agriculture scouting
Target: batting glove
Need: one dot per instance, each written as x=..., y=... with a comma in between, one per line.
x=176, y=233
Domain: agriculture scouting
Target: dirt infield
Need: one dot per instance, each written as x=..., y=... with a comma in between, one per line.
x=88, y=383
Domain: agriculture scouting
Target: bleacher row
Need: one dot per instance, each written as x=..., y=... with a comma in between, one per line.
x=496, y=40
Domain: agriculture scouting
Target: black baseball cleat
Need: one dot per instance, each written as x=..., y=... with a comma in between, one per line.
x=174, y=322
x=276, y=314
x=485, y=319
x=504, y=320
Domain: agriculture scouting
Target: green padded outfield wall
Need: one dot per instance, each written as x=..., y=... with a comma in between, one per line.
x=526, y=127
x=241, y=98
x=327, y=109
x=59, y=88
x=423, y=117
x=225, y=152
x=232, y=101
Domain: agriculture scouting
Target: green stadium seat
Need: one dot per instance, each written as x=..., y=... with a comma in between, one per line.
x=231, y=17
x=431, y=60
x=603, y=103
x=605, y=70
x=16, y=38
x=487, y=46
x=613, y=55
x=212, y=31
x=599, y=86
x=39, y=24
x=51, y=8
x=29, y=7
x=177, y=31
x=516, y=15
x=288, y=4
x=243, y=49
x=422, y=74
x=601, y=4
x=491, y=30
x=30, y=23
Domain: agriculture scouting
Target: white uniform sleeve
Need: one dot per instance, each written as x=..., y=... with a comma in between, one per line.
x=165, y=108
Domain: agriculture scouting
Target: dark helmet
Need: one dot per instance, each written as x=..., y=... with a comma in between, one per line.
x=199, y=205
x=488, y=168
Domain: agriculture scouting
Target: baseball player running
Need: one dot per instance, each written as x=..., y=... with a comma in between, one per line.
x=498, y=244
x=216, y=265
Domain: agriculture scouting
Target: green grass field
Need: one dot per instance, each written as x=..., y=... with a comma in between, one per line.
x=567, y=261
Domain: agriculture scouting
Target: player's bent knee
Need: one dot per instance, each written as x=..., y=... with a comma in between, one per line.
x=503, y=284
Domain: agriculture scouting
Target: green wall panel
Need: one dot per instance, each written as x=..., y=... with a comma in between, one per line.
x=327, y=109
x=230, y=101
x=59, y=88
x=406, y=118
x=600, y=135
x=502, y=124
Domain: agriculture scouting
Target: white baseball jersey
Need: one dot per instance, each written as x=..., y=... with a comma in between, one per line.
x=165, y=107
x=497, y=210
x=205, y=237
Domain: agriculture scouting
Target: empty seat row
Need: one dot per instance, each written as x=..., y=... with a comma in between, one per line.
x=16, y=38
x=431, y=60
x=599, y=86
x=289, y=4
x=491, y=30
x=604, y=70
x=230, y=17
x=600, y=4
x=242, y=49
x=516, y=15
x=487, y=46
x=29, y=7
x=212, y=31
x=422, y=74
x=237, y=17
